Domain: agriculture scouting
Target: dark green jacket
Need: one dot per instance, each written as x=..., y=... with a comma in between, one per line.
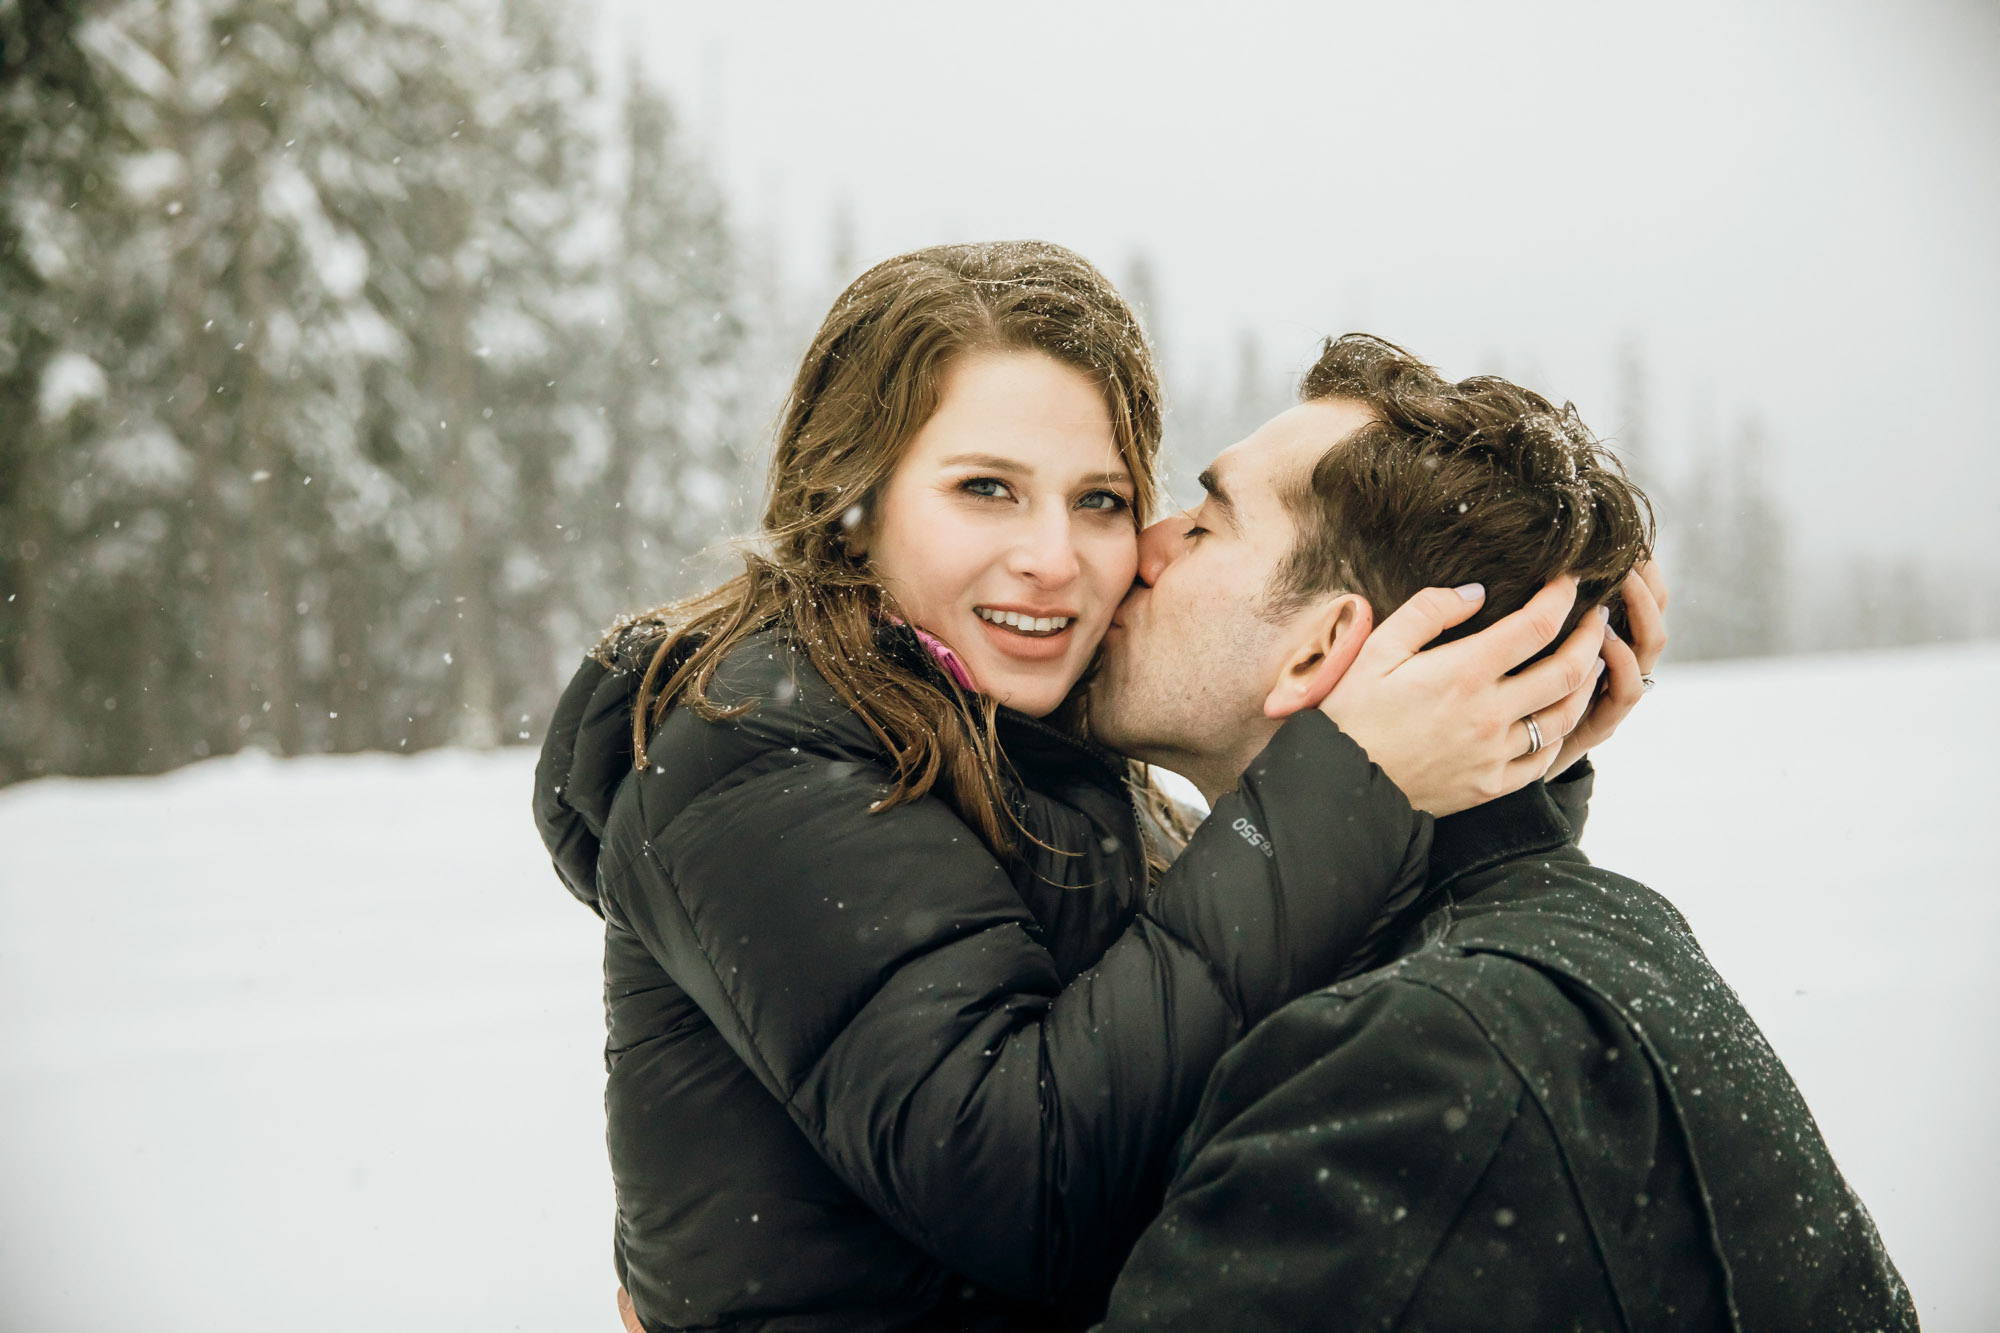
x=1542, y=1110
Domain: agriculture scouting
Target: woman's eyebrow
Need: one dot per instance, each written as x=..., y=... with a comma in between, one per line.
x=991, y=462
x=1000, y=463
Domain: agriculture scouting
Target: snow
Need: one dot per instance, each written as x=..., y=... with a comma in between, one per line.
x=1827, y=826
x=311, y=1044
x=315, y=1043
x=70, y=379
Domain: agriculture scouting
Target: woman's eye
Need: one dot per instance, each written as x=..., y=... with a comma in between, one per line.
x=986, y=488
x=1194, y=532
x=1108, y=501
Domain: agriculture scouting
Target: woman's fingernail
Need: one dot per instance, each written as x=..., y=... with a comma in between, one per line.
x=1471, y=592
x=1598, y=669
x=1604, y=614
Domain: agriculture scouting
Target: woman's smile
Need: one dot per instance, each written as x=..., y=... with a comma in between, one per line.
x=1027, y=637
x=1026, y=622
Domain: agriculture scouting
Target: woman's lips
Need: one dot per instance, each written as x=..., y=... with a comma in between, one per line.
x=1025, y=619
x=1028, y=646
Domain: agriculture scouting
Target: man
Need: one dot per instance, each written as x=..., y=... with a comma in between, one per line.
x=1531, y=1103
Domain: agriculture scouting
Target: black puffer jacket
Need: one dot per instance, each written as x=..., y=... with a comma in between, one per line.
x=864, y=1076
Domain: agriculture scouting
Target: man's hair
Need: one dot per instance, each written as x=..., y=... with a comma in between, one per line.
x=1481, y=481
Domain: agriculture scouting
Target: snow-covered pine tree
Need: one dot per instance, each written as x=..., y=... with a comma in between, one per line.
x=1635, y=433
x=58, y=141
x=317, y=347
x=387, y=87
x=1762, y=539
x=674, y=460
x=1726, y=554
x=262, y=347
x=539, y=317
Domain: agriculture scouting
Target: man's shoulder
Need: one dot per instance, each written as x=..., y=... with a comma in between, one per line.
x=1475, y=1001
x=1559, y=913
x=1365, y=1036
x=1555, y=991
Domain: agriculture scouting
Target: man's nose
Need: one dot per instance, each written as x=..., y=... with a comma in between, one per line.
x=1046, y=551
x=1158, y=545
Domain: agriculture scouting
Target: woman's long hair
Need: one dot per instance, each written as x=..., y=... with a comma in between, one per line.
x=872, y=377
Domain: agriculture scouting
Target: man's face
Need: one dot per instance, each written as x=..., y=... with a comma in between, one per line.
x=1191, y=656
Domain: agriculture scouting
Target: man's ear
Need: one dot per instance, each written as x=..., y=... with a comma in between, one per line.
x=1329, y=639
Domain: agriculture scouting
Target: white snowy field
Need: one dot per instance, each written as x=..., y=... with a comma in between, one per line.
x=314, y=1044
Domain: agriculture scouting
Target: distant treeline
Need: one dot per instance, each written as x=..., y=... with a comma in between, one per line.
x=1741, y=586
x=357, y=361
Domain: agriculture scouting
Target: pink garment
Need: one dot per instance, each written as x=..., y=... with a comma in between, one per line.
x=947, y=659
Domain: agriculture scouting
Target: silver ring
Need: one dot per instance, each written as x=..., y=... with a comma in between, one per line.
x=1645, y=684
x=1534, y=736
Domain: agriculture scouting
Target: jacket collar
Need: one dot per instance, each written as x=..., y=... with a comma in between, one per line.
x=1518, y=824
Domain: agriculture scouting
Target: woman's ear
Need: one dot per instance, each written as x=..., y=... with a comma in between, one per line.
x=1329, y=639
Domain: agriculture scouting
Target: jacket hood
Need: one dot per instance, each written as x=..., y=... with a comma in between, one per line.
x=587, y=753
x=585, y=756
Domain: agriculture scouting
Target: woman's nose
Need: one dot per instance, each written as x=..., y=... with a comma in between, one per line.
x=1158, y=545
x=1046, y=551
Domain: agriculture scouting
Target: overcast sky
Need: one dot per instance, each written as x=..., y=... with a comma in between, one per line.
x=1794, y=208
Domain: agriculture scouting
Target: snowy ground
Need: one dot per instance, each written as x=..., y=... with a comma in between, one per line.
x=314, y=1044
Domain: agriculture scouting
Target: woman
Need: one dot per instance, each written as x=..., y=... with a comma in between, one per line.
x=899, y=1034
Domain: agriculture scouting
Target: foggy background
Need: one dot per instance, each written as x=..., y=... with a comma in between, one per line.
x=1758, y=245
x=360, y=361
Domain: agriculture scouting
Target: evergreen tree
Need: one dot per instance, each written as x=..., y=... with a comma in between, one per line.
x=1212, y=407
x=1636, y=436
x=1729, y=556
x=61, y=441
x=345, y=394
x=522, y=345
x=1762, y=567
x=672, y=467
x=394, y=166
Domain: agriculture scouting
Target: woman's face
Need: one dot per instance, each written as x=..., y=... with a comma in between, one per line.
x=1007, y=528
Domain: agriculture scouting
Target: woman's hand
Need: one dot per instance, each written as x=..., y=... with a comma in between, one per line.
x=1626, y=665
x=1449, y=725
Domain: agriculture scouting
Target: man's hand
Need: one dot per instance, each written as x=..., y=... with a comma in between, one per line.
x=1626, y=665
x=1448, y=725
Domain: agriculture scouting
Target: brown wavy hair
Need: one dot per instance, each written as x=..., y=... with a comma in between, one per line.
x=1475, y=481
x=871, y=378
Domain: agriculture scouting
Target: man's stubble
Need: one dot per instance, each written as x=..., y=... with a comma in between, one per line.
x=1187, y=696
